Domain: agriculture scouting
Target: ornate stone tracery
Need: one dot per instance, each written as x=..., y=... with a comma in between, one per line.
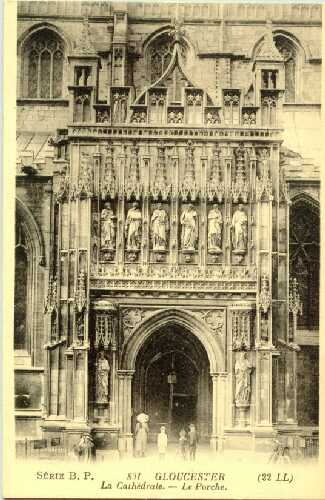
x=133, y=186
x=108, y=181
x=241, y=330
x=215, y=319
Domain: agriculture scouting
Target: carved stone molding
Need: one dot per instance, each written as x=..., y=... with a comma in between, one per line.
x=133, y=186
x=190, y=133
x=215, y=319
x=50, y=303
x=264, y=182
x=108, y=180
x=239, y=187
x=132, y=317
x=215, y=188
x=189, y=189
x=85, y=185
x=159, y=186
x=190, y=273
x=265, y=298
x=80, y=298
x=191, y=279
x=103, y=329
x=241, y=329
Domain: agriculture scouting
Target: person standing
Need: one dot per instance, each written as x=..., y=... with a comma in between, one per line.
x=162, y=441
x=183, y=443
x=192, y=441
x=141, y=435
x=85, y=446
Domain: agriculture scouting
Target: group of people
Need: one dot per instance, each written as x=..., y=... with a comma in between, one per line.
x=187, y=442
x=188, y=439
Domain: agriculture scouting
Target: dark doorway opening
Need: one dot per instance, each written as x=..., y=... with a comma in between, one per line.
x=172, y=383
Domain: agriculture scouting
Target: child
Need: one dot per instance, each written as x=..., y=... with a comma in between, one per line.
x=183, y=442
x=162, y=441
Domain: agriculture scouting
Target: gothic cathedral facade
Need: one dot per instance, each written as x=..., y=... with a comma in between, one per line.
x=167, y=221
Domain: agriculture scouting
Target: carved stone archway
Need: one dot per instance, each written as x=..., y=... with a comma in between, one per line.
x=211, y=343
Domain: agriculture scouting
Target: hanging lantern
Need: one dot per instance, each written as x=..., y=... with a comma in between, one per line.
x=172, y=378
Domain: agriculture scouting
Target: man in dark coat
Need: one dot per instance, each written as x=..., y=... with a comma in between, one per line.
x=192, y=441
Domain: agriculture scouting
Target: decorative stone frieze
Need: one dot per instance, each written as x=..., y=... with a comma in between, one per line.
x=215, y=319
x=241, y=329
x=50, y=304
x=133, y=186
x=265, y=298
x=108, y=179
x=103, y=330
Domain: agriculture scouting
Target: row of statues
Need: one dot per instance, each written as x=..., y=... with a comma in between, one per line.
x=160, y=229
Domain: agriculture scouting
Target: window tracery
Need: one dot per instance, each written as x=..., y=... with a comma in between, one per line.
x=304, y=260
x=160, y=54
x=43, y=65
x=21, y=289
x=289, y=53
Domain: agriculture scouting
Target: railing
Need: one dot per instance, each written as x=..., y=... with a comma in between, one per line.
x=40, y=449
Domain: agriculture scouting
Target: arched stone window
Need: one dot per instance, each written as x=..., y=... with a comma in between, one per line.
x=160, y=53
x=304, y=258
x=289, y=53
x=43, y=64
x=22, y=272
x=29, y=254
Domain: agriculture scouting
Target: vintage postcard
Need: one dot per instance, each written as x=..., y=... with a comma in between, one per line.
x=162, y=250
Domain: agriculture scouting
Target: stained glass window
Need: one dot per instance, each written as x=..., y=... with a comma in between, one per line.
x=304, y=260
x=21, y=278
x=44, y=56
x=160, y=54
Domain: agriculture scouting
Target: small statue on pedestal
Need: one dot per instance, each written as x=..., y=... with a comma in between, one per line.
x=239, y=231
x=159, y=228
x=243, y=371
x=214, y=230
x=189, y=223
x=102, y=379
x=107, y=227
x=133, y=228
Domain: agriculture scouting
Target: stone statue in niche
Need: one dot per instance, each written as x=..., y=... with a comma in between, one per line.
x=107, y=227
x=243, y=371
x=159, y=229
x=80, y=328
x=189, y=234
x=215, y=230
x=239, y=230
x=133, y=228
x=119, y=107
x=264, y=329
x=102, y=378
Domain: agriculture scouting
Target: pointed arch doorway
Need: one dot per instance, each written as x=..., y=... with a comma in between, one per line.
x=172, y=382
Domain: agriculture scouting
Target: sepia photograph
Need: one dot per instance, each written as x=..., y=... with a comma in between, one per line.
x=166, y=256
